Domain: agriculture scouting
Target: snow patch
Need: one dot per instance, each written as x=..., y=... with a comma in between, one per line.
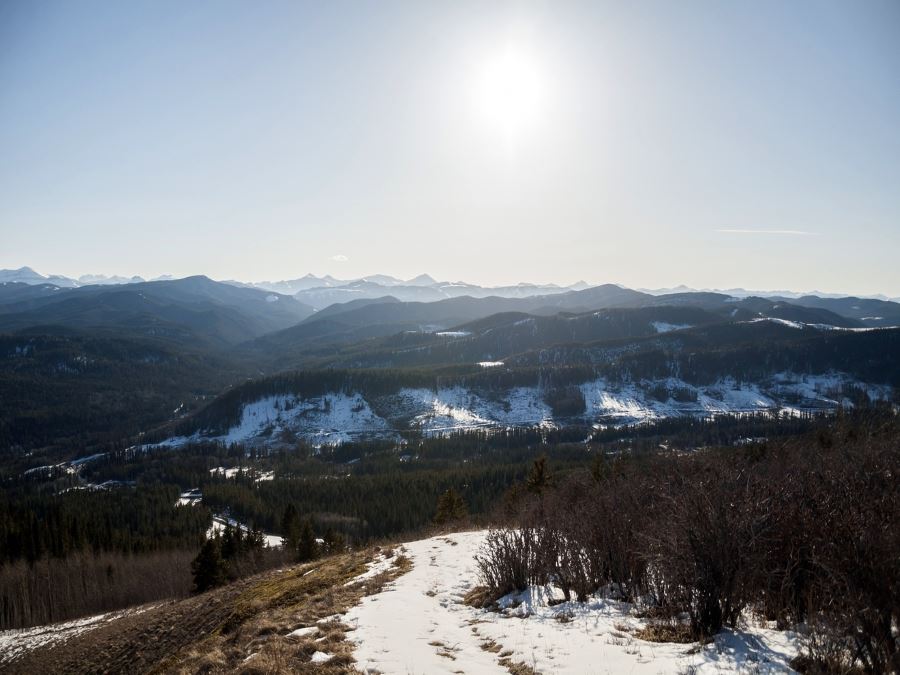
x=15, y=644
x=451, y=409
x=303, y=632
x=382, y=563
x=663, y=327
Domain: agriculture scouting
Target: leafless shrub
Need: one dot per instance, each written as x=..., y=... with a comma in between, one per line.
x=802, y=532
x=510, y=560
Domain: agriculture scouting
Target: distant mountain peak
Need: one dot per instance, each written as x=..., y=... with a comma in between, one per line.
x=422, y=280
x=23, y=275
x=382, y=279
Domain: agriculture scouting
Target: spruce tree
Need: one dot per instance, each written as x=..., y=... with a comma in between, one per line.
x=208, y=567
x=334, y=541
x=290, y=527
x=451, y=507
x=307, y=548
x=539, y=476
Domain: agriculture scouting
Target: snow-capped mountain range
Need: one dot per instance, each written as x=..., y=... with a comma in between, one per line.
x=321, y=291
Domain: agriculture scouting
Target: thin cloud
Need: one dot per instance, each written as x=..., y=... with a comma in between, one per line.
x=340, y=257
x=797, y=233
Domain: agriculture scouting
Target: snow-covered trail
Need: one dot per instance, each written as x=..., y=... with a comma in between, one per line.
x=418, y=625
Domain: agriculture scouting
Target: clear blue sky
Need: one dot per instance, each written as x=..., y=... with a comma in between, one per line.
x=715, y=144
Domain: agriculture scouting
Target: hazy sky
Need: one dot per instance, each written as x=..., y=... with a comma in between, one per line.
x=721, y=144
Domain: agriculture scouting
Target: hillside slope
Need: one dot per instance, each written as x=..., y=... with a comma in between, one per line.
x=388, y=612
x=267, y=623
x=184, y=310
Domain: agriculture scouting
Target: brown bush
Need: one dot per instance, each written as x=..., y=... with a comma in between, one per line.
x=803, y=532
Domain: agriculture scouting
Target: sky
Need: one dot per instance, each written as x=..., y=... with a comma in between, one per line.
x=713, y=144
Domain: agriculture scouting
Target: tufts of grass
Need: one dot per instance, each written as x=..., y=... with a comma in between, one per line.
x=479, y=597
x=666, y=631
x=255, y=635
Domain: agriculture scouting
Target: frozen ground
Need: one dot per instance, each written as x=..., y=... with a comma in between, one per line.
x=16, y=643
x=418, y=624
x=333, y=419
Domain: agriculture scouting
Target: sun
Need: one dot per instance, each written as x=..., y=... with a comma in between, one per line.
x=509, y=91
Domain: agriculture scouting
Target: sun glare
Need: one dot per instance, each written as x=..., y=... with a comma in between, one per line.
x=509, y=91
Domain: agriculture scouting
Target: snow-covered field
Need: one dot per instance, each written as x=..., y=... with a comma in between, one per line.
x=16, y=643
x=337, y=418
x=418, y=624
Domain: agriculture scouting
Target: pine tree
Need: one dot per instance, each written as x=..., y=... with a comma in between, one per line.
x=451, y=507
x=208, y=567
x=307, y=548
x=334, y=541
x=232, y=542
x=290, y=527
x=539, y=476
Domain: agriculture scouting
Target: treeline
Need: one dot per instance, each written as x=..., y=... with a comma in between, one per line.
x=693, y=432
x=362, y=507
x=498, y=336
x=126, y=520
x=52, y=590
x=225, y=411
x=747, y=352
x=867, y=356
x=803, y=532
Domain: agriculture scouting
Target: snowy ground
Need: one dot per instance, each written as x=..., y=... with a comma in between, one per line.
x=663, y=327
x=418, y=624
x=337, y=418
x=455, y=409
x=16, y=643
x=331, y=419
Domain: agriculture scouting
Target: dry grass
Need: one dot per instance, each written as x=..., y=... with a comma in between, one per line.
x=444, y=649
x=479, y=597
x=517, y=668
x=264, y=616
x=241, y=628
x=665, y=631
x=491, y=646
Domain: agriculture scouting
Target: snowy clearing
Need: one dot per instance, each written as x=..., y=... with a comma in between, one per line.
x=418, y=624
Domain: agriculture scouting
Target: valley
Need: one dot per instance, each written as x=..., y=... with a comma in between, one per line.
x=150, y=425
